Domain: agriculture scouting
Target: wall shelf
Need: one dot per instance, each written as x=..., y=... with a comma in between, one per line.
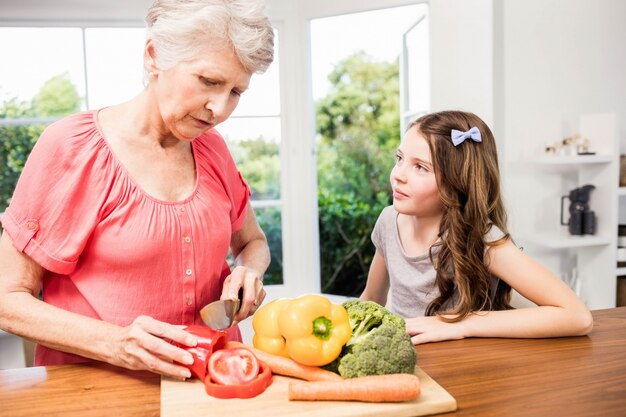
x=594, y=257
x=573, y=160
x=565, y=241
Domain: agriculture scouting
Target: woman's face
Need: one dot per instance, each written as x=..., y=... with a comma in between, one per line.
x=413, y=180
x=196, y=95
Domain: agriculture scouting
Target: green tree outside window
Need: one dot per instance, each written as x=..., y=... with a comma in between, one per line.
x=357, y=123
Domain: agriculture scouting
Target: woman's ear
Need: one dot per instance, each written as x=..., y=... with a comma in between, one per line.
x=149, y=58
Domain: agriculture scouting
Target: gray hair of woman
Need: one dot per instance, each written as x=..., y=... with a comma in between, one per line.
x=180, y=30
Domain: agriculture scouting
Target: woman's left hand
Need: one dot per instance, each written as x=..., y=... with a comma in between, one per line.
x=253, y=291
x=432, y=329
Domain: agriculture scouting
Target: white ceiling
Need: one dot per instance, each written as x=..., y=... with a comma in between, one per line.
x=68, y=11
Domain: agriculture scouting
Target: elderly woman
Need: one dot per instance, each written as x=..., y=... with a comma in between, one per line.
x=124, y=216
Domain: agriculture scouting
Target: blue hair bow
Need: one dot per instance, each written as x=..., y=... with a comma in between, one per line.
x=459, y=137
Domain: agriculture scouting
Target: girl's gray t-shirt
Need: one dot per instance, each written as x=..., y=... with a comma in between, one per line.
x=411, y=278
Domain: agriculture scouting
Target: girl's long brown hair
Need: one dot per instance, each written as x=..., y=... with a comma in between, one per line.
x=468, y=179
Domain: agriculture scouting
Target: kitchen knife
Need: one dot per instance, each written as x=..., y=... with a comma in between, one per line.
x=220, y=314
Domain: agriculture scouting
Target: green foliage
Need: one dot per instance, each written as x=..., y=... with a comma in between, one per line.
x=16, y=142
x=379, y=343
x=259, y=161
x=358, y=127
x=270, y=221
x=57, y=97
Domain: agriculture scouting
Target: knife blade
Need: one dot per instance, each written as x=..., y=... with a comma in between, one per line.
x=220, y=314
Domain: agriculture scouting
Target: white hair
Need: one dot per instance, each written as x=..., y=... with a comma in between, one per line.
x=180, y=29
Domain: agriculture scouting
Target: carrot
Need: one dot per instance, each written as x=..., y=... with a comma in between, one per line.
x=374, y=388
x=285, y=366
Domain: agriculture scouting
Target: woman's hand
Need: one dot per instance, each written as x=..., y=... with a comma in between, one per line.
x=142, y=346
x=253, y=291
x=433, y=329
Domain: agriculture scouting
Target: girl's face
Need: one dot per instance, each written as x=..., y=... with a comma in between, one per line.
x=413, y=180
x=194, y=96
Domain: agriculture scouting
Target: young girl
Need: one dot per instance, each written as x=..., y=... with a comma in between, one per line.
x=444, y=250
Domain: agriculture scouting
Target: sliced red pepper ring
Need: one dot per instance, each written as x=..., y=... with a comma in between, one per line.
x=233, y=366
x=209, y=340
x=249, y=390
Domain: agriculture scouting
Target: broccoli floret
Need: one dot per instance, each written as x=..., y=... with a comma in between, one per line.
x=367, y=315
x=379, y=343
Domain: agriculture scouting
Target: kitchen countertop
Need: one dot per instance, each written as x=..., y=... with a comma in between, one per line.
x=572, y=376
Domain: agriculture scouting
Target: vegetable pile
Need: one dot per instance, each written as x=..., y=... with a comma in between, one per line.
x=379, y=344
x=357, y=351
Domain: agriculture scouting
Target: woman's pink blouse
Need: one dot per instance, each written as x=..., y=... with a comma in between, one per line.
x=111, y=251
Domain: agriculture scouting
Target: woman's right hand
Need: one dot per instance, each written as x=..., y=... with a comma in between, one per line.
x=142, y=346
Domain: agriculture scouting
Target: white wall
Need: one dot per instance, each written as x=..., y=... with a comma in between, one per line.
x=563, y=58
x=462, y=56
x=64, y=12
x=541, y=64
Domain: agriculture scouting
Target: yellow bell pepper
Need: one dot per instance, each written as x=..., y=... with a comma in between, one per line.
x=267, y=336
x=315, y=329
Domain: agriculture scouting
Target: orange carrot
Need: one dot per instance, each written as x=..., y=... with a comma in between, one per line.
x=285, y=366
x=374, y=388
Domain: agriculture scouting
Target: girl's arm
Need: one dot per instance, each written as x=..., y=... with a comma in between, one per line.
x=252, y=257
x=137, y=346
x=377, y=285
x=559, y=311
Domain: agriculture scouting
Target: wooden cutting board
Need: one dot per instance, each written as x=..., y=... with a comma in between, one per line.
x=188, y=399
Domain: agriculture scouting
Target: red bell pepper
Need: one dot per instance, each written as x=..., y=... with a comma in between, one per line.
x=209, y=340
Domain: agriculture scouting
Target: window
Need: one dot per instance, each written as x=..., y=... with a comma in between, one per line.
x=356, y=88
x=54, y=72
x=39, y=83
x=415, y=70
x=114, y=65
x=253, y=133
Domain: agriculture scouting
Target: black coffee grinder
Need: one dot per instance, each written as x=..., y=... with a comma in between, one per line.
x=582, y=221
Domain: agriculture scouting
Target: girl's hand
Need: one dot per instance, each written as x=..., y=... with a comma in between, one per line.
x=253, y=291
x=432, y=329
x=141, y=346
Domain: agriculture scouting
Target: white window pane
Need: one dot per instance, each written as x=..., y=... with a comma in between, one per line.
x=263, y=95
x=378, y=33
x=240, y=128
x=32, y=56
x=114, y=64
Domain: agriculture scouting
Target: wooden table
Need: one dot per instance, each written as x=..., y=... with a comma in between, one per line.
x=575, y=376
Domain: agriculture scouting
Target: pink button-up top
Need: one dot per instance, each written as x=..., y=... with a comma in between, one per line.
x=111, y=251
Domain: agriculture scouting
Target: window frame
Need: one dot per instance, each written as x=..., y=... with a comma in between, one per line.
x=407, y=113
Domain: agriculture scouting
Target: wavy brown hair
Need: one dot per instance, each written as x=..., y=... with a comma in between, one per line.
x=468, y=179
